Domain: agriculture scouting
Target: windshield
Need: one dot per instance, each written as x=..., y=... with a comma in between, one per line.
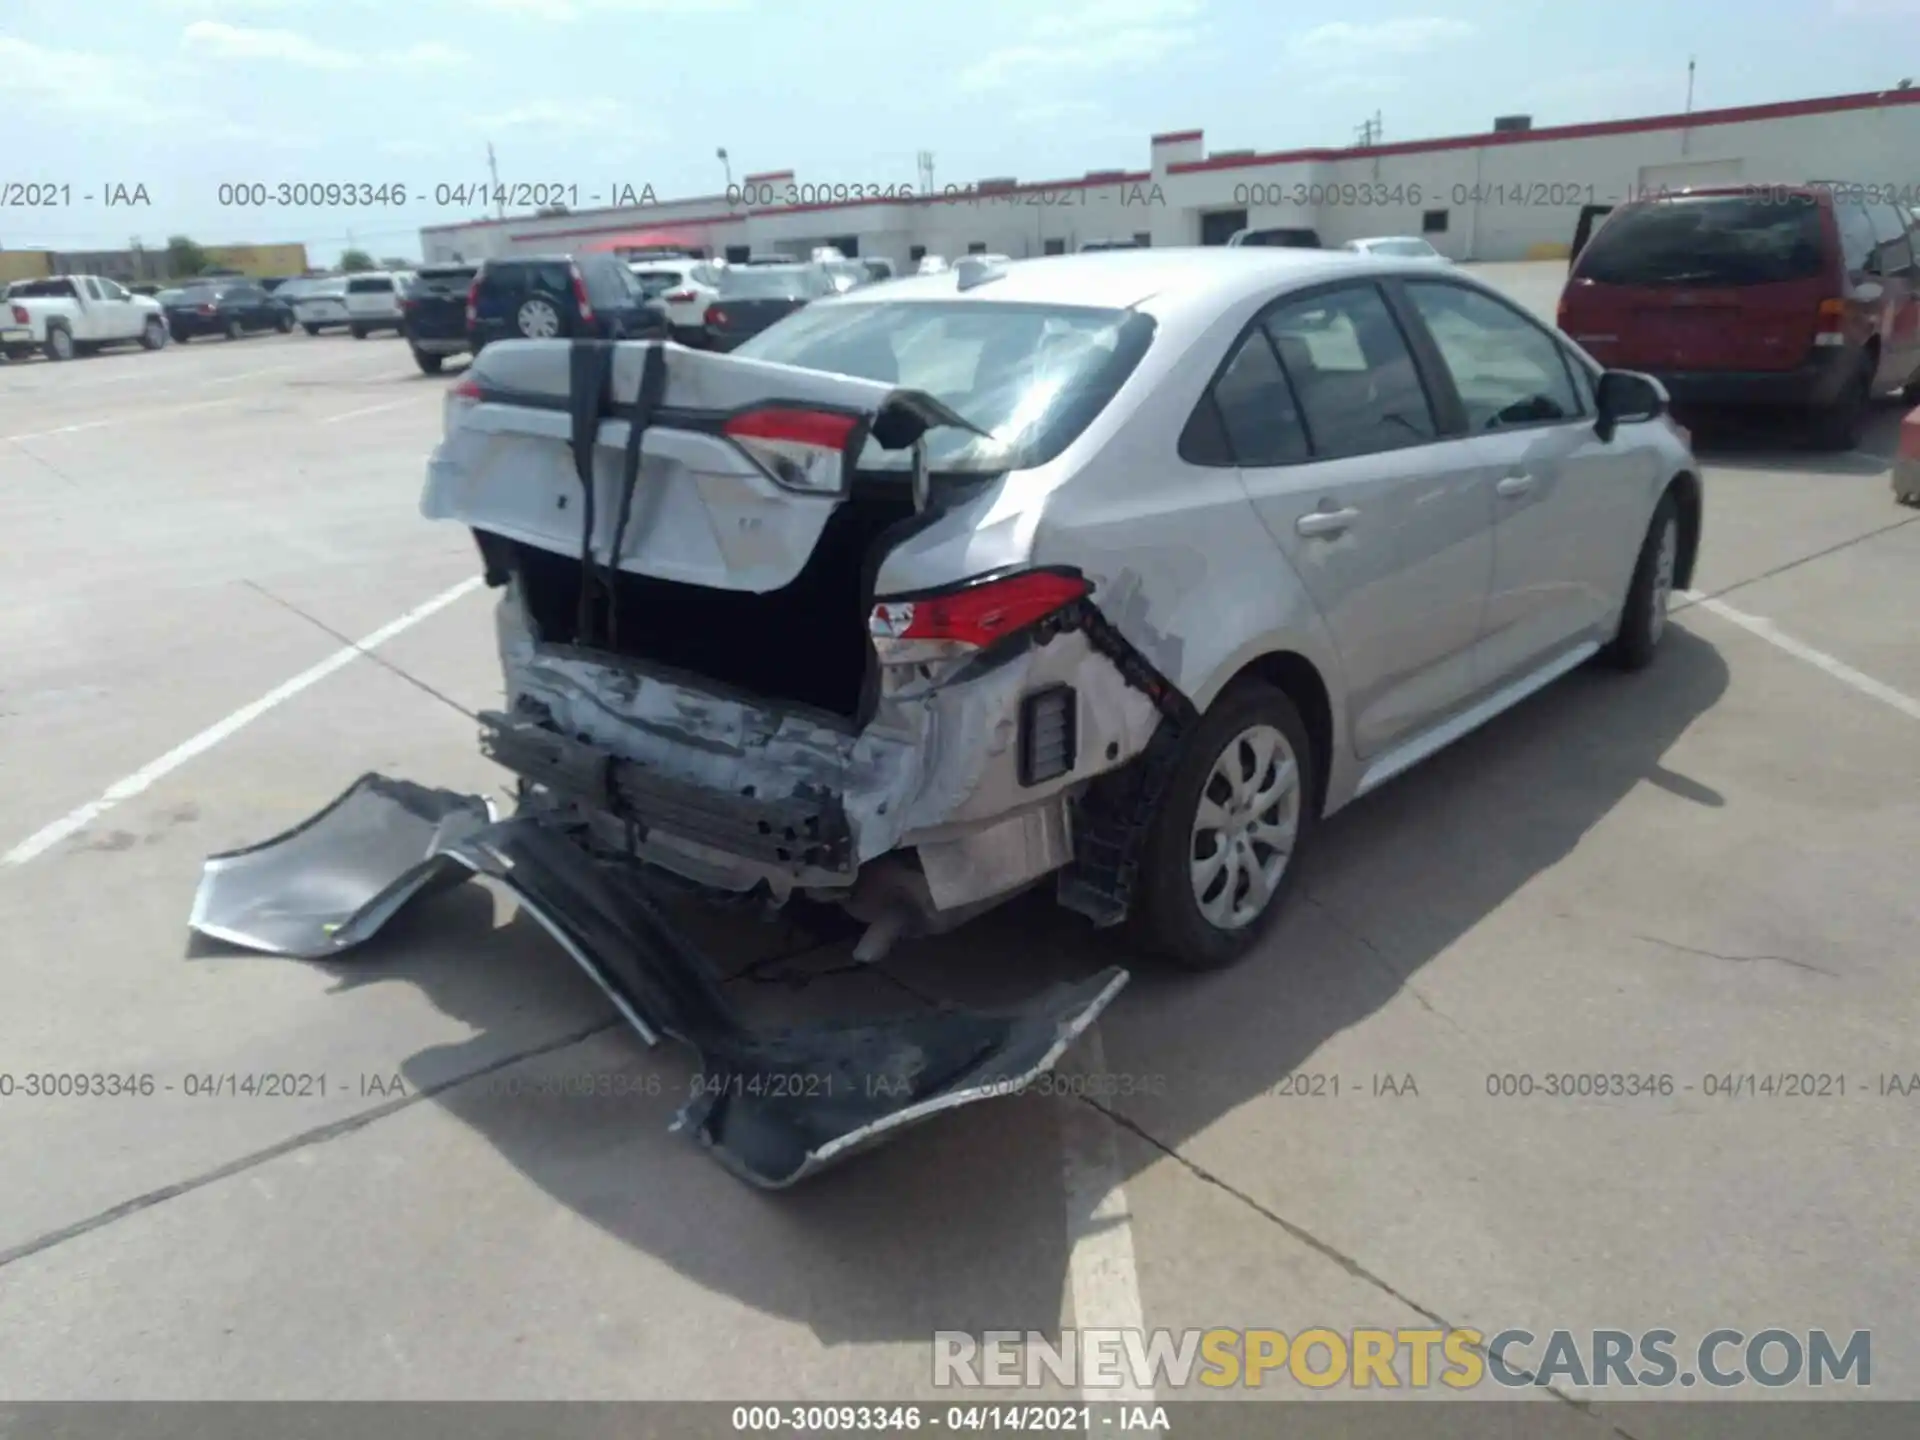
x=1707, y=240
x=1033, y=376
x=442, y=277
x=766, y=283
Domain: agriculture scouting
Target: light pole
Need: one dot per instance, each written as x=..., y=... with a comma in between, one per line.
x=727, y=165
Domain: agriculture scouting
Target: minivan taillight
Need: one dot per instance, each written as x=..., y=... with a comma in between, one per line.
x=1829, y=323
x=580, y=295
x=804, y=450
x=978, y=613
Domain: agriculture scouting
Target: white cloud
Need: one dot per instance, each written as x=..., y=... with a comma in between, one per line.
x=1342, y=43
x=575, y=9
x=81, y=83
x=1089, y=39
x=238, y=42
x=427, y=55
x=567, y=117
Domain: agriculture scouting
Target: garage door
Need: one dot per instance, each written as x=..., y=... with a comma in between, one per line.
x=1689, y=173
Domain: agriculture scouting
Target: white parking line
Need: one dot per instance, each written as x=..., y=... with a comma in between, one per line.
x=366, y=410
x=119, y=420
x=1839, y=669
x=148, y=775
x=1105, y=1284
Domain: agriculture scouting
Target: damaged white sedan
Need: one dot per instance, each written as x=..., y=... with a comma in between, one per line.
x=1114, y=573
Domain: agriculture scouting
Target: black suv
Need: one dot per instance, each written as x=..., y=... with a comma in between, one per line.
x=560, y=297
x=433, y=313
x=225, y=307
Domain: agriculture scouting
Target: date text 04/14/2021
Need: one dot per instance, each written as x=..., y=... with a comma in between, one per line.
x=262, y=1085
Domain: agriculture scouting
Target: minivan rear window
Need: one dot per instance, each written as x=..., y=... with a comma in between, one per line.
x=1708, y=240
x=370, y=285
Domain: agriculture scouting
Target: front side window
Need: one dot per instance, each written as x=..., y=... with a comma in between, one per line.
x=1352, y=372
x=1507, y=370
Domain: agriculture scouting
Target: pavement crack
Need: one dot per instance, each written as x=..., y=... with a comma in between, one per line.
x=319, y=1135
x=1321, y=1247
x=1737, y=959
x=352, y=644
x=1380, y=958
x=1787, y=565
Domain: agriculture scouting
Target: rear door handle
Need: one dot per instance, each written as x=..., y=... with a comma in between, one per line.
x=1515, y=485
x=1326, y=522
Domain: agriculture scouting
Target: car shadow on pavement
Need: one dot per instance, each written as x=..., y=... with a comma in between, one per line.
x=963, y=1223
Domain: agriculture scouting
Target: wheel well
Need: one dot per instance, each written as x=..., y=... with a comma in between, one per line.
x=1295, y=676
x=1685, y=489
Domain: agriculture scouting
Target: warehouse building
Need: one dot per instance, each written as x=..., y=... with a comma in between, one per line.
x=1512, y=193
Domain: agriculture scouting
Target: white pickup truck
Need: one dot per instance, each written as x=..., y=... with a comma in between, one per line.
x=68, y=315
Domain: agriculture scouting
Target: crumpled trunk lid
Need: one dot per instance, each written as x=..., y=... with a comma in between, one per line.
x=702, y=511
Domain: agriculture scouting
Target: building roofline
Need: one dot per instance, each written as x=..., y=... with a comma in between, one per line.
x=1736, y=115
x=1176, y=137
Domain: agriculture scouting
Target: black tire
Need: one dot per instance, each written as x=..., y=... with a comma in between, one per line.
x=234, y=328
x=311, y=329
x=284, y=324
x=1166, y=920
x=153, y=334
x=181, y=337
x=359, y=332
x=429, y=364
x=1643, y=620
x=60, y=344
x=1837, y=426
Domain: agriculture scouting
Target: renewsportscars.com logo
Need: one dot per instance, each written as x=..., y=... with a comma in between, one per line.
x=1166, y=1361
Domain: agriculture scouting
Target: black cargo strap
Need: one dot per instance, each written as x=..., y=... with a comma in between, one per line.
x=646, y=401
x=589, y=366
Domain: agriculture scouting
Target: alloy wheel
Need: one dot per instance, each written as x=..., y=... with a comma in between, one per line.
x=1244, y=827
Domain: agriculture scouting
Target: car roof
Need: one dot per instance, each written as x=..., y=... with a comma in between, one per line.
x=1121, y=279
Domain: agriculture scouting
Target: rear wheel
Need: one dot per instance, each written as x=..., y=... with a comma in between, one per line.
x=1837, y=426
x=1221, y=852
x=153, y=334
x=59, y=343
x=234, y=329
x=311, y=329
x=359, y=332
x=429, y=364
x=284, y=324
x=1643, y=621
x=537, y=319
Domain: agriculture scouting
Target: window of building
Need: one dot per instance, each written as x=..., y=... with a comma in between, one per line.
x=1143, y=238
x=1433, y=222
x=1053, y=247
x=916, y=252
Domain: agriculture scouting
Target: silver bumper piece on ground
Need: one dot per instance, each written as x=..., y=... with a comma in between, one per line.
x=773, y=1105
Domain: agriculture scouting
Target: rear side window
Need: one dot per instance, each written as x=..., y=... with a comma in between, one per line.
x=1708, y=240
x=1256, y=409
x=1507, y=370
x=370, y=285
x=1350, y=367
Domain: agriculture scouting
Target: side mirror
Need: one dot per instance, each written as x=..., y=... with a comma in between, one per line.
x=1869, y=291
x=1626, y=395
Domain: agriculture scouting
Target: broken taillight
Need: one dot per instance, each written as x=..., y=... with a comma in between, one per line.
x=801, y=449
x=979, y=612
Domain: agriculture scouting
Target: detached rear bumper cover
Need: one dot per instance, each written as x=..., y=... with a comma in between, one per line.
x=774, y=1106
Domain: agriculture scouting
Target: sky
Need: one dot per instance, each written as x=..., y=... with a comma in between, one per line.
x=175, y=98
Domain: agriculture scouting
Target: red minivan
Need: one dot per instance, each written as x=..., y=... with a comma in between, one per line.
x=1786, y=296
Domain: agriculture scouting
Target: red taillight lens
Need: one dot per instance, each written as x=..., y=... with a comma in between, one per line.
x=803, y=450
x=20, y=315
x=473, y=301
x=981, y=613
x=208, y=309
x=580, y=295
x=1831, y=317
x=467, y=389
x=715, y=317
x=679, y=297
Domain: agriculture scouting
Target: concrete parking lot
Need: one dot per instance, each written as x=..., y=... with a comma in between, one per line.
x=1705, y=870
